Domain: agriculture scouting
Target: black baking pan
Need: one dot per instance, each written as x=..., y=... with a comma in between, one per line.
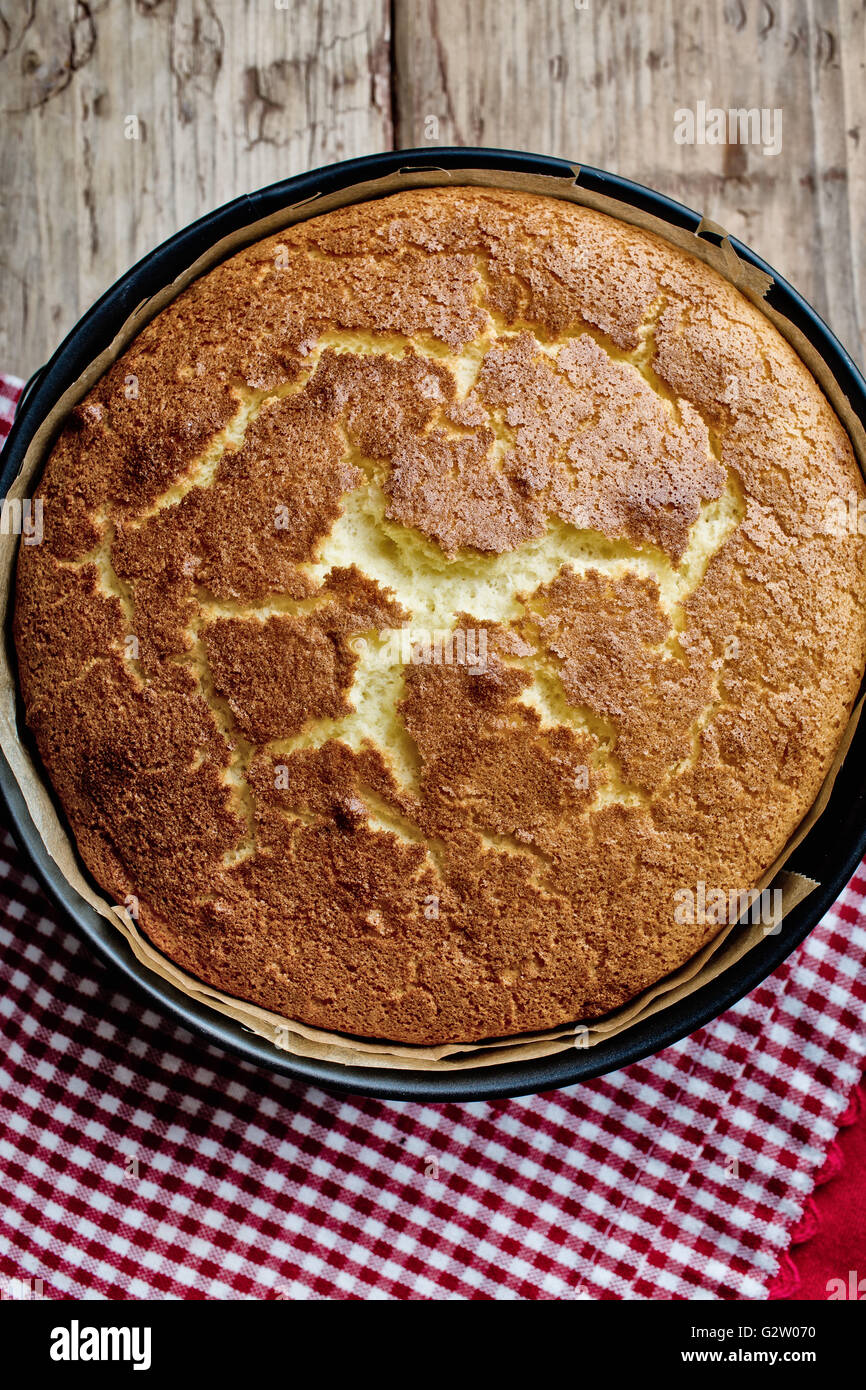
x=829, y=854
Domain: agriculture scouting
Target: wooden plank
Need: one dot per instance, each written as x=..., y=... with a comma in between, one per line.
x=601, y=85
x=232, y=94
x=228, y=95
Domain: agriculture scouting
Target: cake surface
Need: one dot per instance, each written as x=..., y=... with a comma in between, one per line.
x=428, y=596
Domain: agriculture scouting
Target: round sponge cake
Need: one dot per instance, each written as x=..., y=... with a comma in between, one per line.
x=430, y=597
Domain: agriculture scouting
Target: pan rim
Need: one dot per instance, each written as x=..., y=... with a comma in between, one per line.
x=837, y=855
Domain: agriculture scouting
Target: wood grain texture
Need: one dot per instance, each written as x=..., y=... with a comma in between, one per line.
x=600, y=86
x=232, y=94
x=228, y=94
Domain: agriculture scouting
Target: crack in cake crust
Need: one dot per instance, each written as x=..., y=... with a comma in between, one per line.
x=365, y=510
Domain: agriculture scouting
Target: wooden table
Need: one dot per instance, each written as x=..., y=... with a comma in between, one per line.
x=124, y=119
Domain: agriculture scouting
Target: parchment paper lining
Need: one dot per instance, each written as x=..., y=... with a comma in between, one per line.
x=732, y=942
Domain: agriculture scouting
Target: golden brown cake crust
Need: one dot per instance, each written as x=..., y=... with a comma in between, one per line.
x=505, y=418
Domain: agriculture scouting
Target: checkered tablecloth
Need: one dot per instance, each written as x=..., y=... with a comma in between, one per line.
x=137, y=1162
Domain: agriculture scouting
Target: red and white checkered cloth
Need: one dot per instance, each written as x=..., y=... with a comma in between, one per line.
x=138, y=1162
x=10, y=389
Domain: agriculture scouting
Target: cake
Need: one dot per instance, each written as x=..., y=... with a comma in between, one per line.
x=432, y=595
